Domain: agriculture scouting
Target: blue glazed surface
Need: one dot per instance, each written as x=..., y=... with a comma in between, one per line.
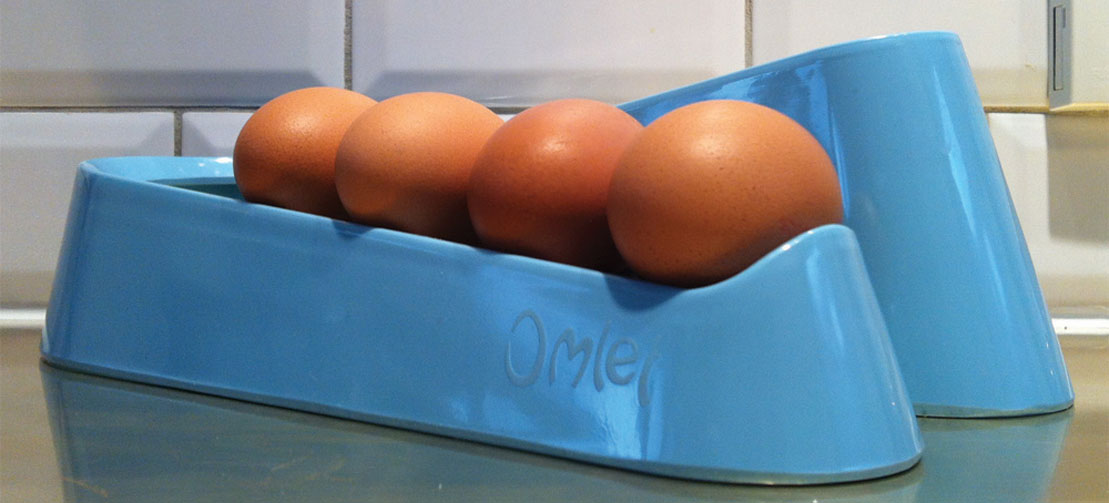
x=924, y=192
x=781, y=374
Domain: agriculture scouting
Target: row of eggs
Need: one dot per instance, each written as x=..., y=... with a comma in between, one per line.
x=691, y=199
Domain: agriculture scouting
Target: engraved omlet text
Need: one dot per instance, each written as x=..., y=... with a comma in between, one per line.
x=619, y=362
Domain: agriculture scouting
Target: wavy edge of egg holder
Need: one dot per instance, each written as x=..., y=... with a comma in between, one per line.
x=782, y=374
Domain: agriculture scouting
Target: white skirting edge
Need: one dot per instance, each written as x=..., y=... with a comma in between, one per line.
x=1064, y=325
x=22, y=318
x=1081, y=325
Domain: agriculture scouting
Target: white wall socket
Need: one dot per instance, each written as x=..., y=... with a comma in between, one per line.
x=1078, y=55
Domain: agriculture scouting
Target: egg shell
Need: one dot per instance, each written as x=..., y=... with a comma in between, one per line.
x=709, y=188
x=540, y=185
x=405, y=163
x=285, y=153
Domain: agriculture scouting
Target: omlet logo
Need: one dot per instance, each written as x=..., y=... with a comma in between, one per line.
x=620, y=362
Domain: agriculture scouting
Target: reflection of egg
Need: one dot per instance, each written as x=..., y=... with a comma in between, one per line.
x=540, y=186
x=406, y=162
x=285, y=153
x=711, y=187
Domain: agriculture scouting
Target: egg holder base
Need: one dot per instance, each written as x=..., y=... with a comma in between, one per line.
x=783, y=374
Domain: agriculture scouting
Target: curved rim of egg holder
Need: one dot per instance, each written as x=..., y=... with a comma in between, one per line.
x=782, y=374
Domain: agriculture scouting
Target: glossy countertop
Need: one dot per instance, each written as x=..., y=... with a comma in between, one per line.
x=66, y=436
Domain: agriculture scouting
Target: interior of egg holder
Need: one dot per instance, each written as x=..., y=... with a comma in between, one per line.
x=782, y=374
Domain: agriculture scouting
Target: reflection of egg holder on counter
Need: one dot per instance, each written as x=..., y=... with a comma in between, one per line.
x=781, y=374
x=1022, y=453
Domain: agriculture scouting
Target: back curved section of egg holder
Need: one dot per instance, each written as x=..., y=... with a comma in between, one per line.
x=782, y=374
x=924, y=192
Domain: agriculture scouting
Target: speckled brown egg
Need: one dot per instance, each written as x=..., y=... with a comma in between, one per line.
x=285, y=153
x=540, y=186
x=711, y=187
x=405, y=163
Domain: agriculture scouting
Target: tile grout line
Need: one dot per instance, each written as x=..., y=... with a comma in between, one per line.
x=989, y=109
x=748, y=33
x=85, y=109
x=1015, y=109
x=178, y=126
x=124, y=108
x=348, y=47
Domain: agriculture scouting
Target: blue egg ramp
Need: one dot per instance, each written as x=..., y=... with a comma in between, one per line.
x=782, y=374
x=924, y=192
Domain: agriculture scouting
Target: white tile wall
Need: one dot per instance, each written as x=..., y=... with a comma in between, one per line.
x=508, y=53
x=1080, y=51
x=1057, y=169
x=129, y=61
x=1005, y=40
x=213, y=134
x=39, y=154
x=166, y=52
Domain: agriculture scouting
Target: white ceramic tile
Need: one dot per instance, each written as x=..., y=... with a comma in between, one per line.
x=39, y=154
x=1005, y=40
x=507, y=53
x=140, y=52
x=213, y=134
x=1057, y=169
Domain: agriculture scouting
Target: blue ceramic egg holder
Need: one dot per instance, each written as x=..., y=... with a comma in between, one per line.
x=783, y=374
x=924, y=192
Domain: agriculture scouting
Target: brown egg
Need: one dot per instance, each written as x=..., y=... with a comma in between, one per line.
x=406, y=162
x=540, y=186
x=711, y=187
x=285, y=153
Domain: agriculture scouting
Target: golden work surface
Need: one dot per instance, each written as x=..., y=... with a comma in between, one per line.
x=66, y=436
